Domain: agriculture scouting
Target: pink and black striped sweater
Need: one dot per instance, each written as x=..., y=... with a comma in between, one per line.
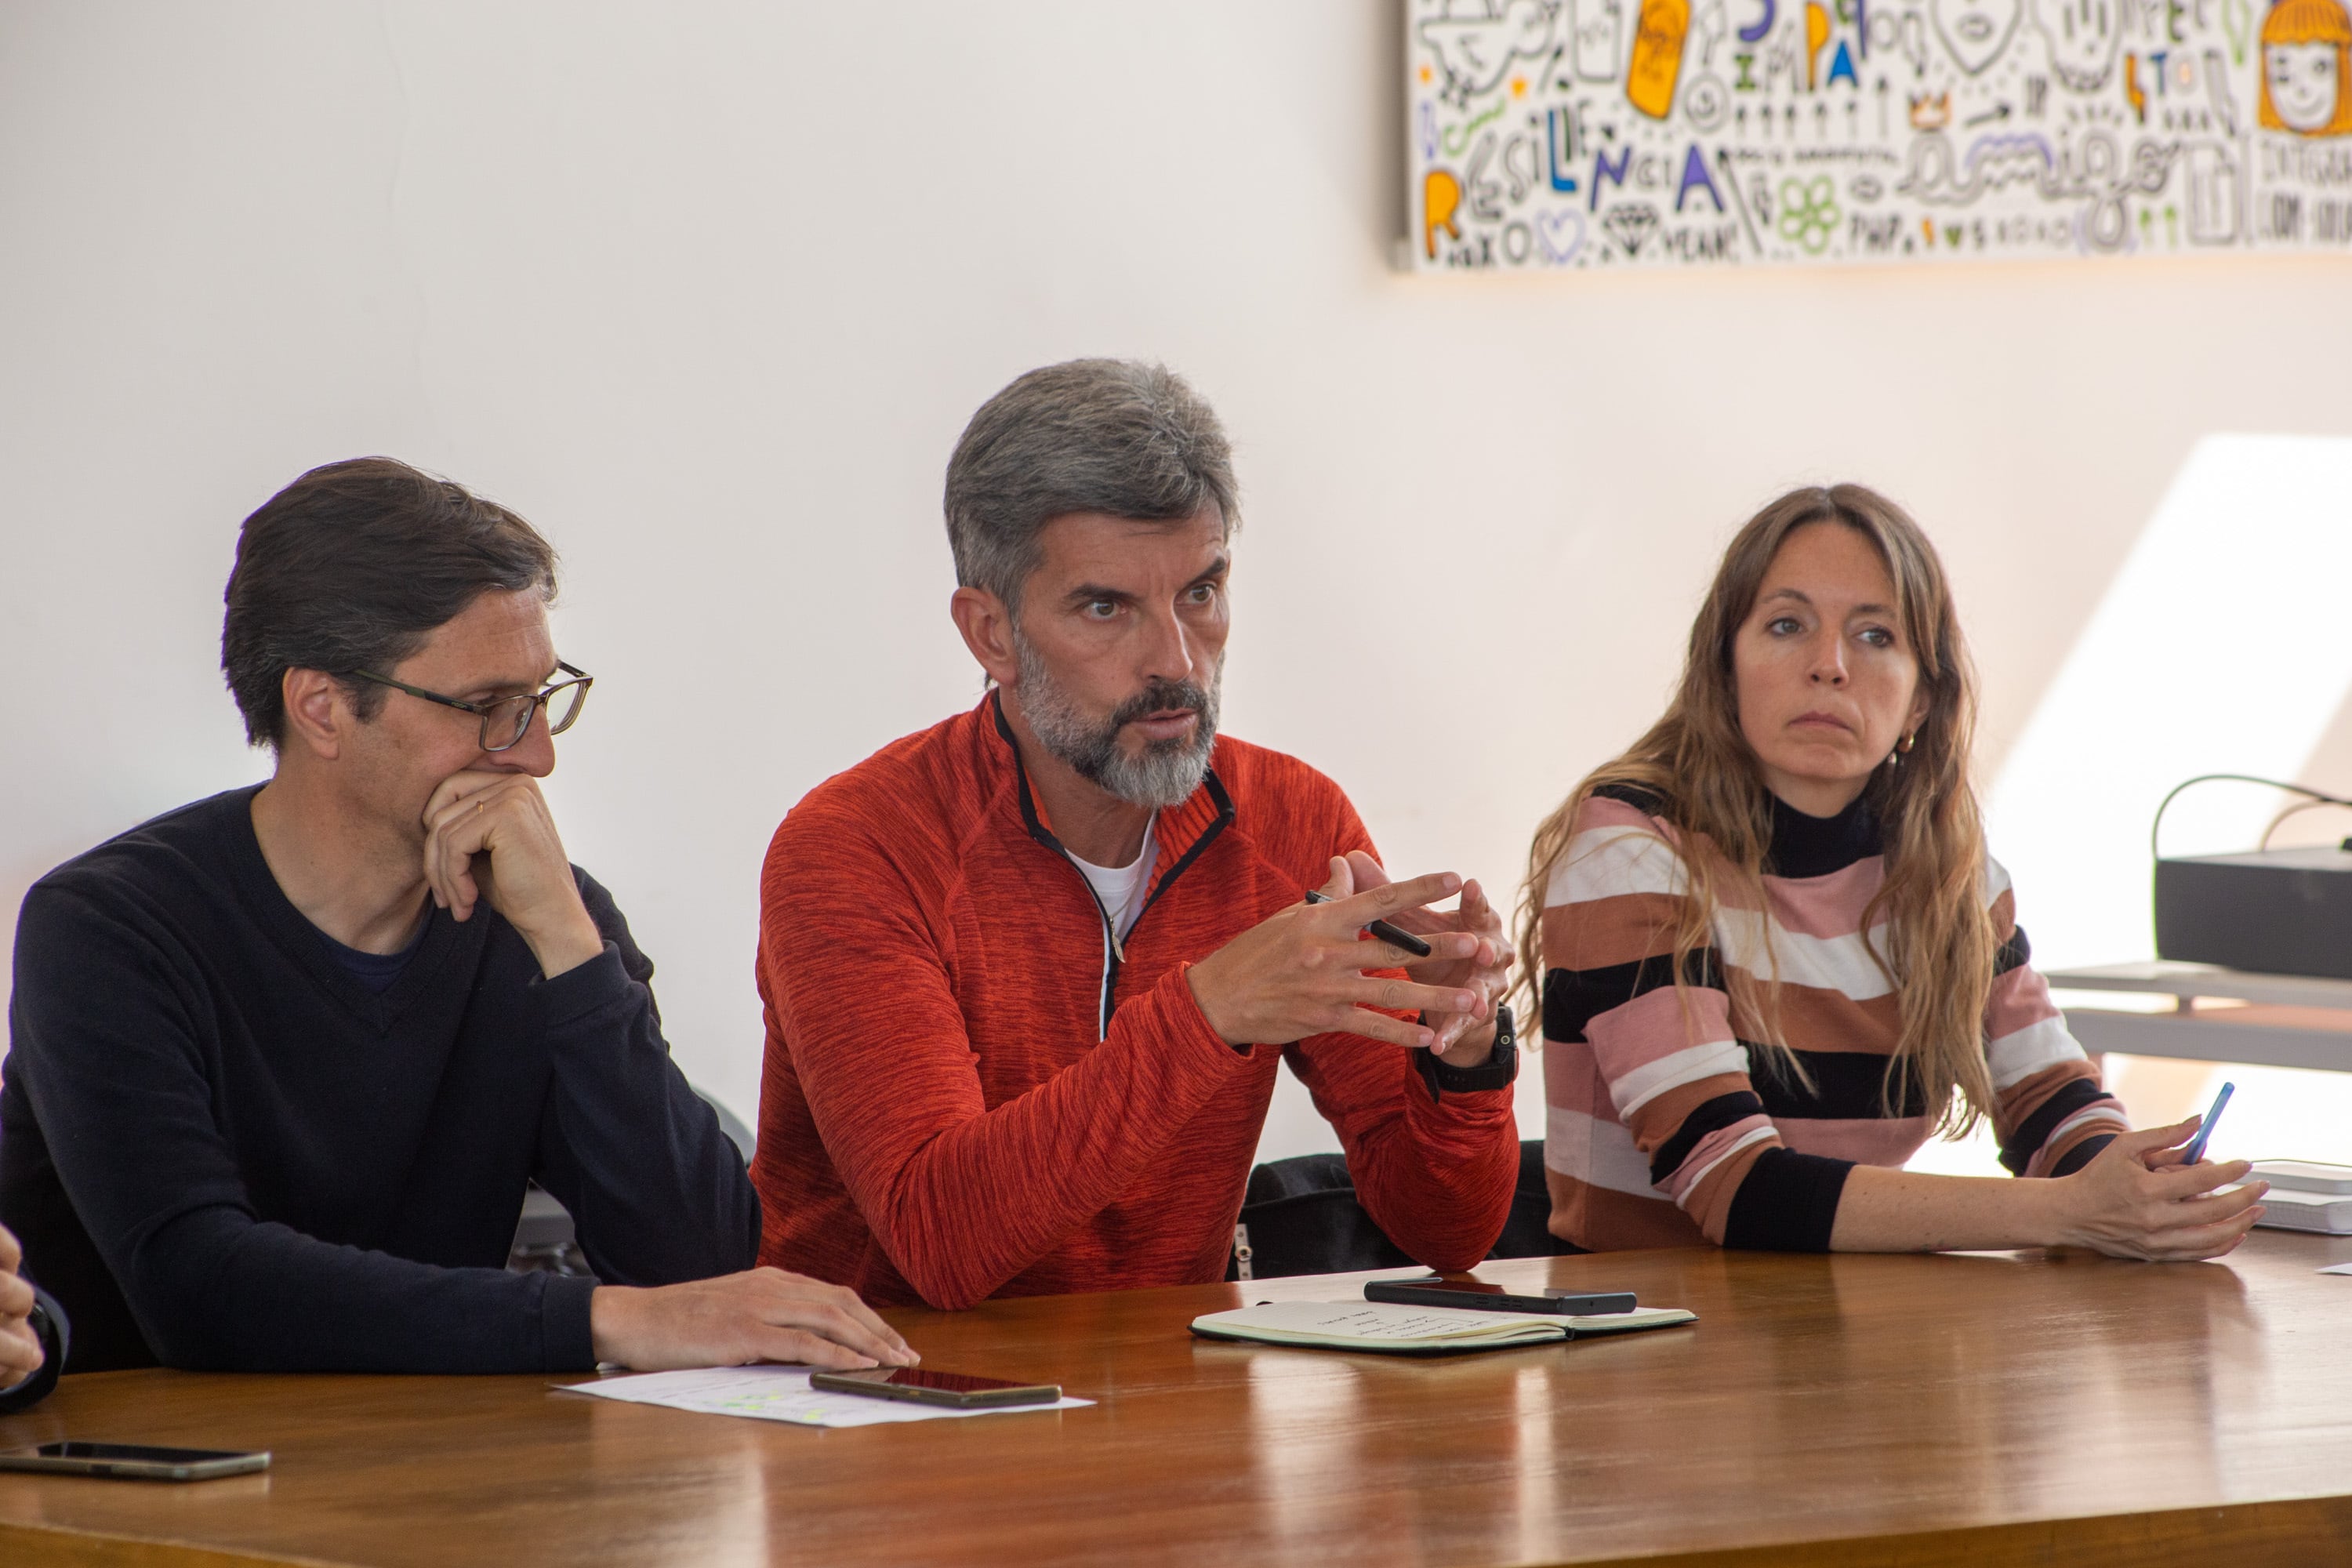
x=1667, y=1127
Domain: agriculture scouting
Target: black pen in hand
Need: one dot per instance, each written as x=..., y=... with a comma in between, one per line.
x=1395, y=936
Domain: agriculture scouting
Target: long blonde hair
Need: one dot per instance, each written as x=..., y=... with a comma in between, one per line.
x=1940, y=942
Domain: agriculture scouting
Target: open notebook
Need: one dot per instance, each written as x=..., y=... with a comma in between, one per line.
x=1415, y=1331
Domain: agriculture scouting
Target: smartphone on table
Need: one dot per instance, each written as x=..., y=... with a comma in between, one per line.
x=922, y=1386
x=1436, y=1291
x=132, y=1461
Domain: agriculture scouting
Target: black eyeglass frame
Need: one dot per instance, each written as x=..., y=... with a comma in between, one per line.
x=485, y=710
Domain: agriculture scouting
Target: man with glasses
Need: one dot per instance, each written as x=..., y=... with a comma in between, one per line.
x=282, y=1061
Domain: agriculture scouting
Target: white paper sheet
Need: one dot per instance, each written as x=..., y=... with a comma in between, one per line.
x=777, y=1393
x=2338, y=1268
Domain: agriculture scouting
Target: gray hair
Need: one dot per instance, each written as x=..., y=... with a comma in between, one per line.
x=1117, y=436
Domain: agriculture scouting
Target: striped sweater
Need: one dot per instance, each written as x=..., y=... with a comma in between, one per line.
x=1667, y=1127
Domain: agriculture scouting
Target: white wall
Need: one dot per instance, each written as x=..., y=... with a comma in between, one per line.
x=708, y=291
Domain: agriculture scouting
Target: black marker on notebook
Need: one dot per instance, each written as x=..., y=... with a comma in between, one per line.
x=1395, y=936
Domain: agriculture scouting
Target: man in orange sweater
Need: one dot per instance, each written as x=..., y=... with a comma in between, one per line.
x=1028, y=973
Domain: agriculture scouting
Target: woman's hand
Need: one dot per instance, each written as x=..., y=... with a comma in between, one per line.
x=2131, y=1201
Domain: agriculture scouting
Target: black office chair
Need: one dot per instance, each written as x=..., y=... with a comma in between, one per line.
x=1300, y=1216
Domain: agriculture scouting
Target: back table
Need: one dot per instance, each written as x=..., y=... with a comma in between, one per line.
x=2044, y=1408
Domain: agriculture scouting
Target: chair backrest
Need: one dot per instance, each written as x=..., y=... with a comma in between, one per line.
x=1300, y=1216
x=732, y=1125
x=544, y=1240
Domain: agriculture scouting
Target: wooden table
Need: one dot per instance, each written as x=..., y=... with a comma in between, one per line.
x=1987, y=1409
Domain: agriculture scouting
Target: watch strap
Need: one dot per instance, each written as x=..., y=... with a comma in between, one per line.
x=1497, y=1071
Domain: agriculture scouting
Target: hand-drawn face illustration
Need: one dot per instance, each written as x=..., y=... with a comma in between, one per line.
x=2302, y=82
x=2082, y=34
x=1975, y=31
x=1474, y=44
x=2306, y=58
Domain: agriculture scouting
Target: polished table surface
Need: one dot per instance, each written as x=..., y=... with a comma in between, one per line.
x=2045, y=1408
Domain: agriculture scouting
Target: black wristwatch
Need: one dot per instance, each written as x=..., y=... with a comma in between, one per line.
x=1496, y=1071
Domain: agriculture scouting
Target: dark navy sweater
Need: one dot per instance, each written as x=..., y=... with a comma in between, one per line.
x=221, y=1150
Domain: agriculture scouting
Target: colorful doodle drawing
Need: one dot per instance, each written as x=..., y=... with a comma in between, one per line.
x=1809, y=213
x=1705, y=102
x=1474, y=44
x=1975, y=31
x=1935, y=175
x=1441, y=198
x=1695, y=177
x=1568, y=135
x=1708, y=29
x=1658, y=39
x=2082, y=35
x=2237, y=17
x=1561, y=234
x=1631, y=226
x=2306, y=69
x=1914, y=42
x=1596, y=28
x=2212, y=180
x=2217, y=92
x=1482, y=196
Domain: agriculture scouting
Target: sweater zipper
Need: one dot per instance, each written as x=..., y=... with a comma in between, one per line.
x=1114, y=949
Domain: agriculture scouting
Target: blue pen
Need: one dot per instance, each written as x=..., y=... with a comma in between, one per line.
x=2196, y=1150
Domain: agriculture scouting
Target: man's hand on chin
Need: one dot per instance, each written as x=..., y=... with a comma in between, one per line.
x=490, y=836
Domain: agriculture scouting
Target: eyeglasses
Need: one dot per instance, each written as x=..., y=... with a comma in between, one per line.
x=508, y=719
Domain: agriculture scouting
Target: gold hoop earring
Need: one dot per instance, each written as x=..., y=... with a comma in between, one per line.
x=1904, y=745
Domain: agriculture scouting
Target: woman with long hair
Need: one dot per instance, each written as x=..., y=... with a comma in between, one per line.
x=1775, y=956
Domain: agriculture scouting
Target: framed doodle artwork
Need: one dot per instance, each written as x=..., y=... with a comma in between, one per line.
x=1581, y=134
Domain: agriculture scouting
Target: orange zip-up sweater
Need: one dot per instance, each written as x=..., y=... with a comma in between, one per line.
x=971, y=1091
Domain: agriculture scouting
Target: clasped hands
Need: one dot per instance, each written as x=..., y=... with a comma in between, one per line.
x=1303, y=970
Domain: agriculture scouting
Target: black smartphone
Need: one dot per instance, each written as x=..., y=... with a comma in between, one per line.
x=1436, y=1291
x=921, y=1386
x=132, y=1461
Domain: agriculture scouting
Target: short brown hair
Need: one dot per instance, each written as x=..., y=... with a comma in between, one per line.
x=351, y=567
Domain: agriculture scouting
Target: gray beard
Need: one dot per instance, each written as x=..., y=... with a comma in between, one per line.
x=1164, y=773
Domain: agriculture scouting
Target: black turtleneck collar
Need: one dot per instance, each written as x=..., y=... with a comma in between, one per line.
x=1806, y=846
